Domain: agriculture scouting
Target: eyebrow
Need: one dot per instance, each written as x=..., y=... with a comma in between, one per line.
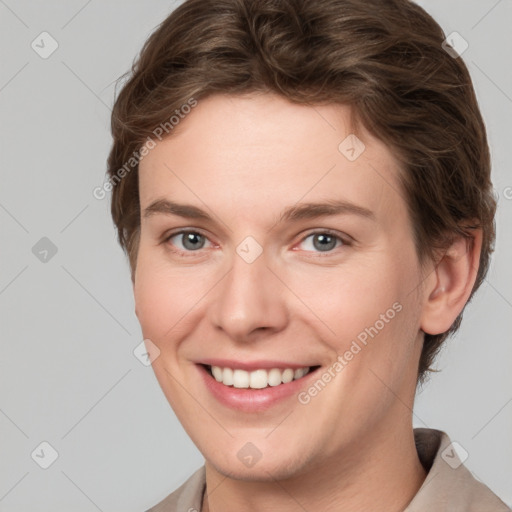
x=290, y=214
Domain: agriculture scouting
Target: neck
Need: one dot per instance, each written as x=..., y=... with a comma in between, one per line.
x=379, y=472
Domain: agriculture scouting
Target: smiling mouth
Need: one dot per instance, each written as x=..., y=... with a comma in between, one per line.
x=257, y=379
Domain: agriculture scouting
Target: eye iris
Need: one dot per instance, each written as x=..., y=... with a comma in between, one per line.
x=192, y=238
x=326, y=242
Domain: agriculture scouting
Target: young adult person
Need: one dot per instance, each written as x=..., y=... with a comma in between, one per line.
x=303, y=190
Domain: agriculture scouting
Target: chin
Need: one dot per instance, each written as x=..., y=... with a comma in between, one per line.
x=259, y=473
x=279, y=467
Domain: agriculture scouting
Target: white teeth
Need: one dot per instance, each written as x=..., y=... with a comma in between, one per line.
x=227, y=376
x=217, y=373
x=257, y=379
x=299, y=372
x=274, y=377
x=240, y=379
x=287, y=375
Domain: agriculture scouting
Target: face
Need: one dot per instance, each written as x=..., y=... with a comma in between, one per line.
x=268, y=250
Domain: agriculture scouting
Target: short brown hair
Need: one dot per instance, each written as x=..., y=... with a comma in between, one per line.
x=383, y=57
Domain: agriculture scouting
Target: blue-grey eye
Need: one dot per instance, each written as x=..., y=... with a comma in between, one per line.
x=190, y=240
x=322, y=242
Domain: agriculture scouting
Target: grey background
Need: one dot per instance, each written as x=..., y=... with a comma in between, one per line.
x=68, y=375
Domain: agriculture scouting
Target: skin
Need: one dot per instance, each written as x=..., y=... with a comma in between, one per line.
x=243, y=159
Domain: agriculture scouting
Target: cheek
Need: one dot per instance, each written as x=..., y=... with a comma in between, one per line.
x=167, y=299
x=367, y=313
x=155, y=299
x=347, y=301
x=150, y=301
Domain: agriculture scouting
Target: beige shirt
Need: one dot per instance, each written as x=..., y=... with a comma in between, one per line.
x=449, y=486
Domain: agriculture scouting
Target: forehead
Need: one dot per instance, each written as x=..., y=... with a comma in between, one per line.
x=247, y=152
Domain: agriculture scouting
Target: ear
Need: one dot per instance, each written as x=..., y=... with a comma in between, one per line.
x=449, y=286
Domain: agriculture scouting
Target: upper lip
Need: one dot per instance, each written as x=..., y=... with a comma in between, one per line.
x=252, y=365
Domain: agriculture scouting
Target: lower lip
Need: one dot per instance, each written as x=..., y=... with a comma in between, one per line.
x=253, y=400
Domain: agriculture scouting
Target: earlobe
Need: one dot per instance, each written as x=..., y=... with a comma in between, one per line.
x=451, y=284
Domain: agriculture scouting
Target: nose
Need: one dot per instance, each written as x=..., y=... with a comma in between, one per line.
x=250, y=301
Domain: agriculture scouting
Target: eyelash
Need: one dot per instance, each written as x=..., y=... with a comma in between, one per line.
x=345, y=242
